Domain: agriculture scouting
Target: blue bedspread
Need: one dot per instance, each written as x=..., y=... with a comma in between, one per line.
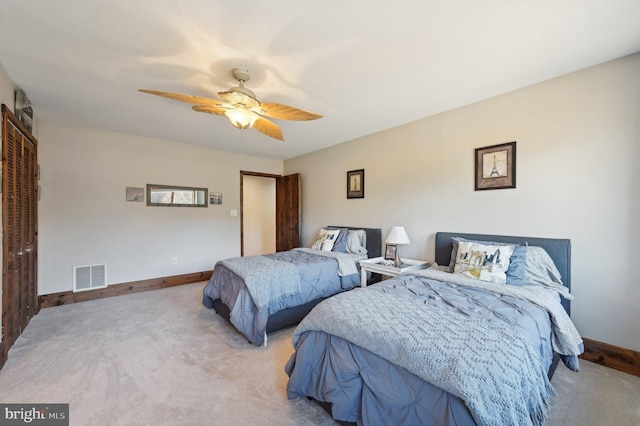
x=318, y=276
x=357, y=378
x=267, y=280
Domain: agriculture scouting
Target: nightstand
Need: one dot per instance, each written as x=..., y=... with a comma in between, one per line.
x=377, y=265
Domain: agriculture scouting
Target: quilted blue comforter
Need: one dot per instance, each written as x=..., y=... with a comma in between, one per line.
x=318, y=276
x=364, y=386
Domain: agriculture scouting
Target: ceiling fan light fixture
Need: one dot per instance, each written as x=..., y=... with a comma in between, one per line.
x=241, y=117
x=242, y=108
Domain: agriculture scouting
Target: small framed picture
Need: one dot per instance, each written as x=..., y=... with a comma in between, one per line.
x=215, y=198
x=390, y=252
x=495, y=167
x=135, y=194
x=355, y=184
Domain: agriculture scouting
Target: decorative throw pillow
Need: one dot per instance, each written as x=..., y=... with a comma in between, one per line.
x=516, y=271
x=483, y=262
x=357, y=241
x=341, y=242
x=517, y=262
x=326, y=239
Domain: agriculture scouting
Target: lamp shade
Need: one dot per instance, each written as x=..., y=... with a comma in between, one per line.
x=397, y=236
x=241, y=117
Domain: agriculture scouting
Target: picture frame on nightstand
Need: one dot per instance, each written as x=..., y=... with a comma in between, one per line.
x=390, y=252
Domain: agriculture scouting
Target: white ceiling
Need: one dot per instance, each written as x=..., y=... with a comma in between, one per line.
x=365, y=65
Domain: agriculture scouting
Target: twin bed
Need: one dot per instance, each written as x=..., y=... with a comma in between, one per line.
x=436, y=347
x=473, y=339
x=297, y=280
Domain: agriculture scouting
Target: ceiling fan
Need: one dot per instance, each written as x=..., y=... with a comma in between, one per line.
x=242, y=107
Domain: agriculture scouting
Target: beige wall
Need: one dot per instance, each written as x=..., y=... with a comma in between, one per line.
x=6, y=89
x=578, y=141
x=85, y=219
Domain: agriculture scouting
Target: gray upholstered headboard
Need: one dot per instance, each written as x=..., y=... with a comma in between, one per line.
x=374, y=239
x=559, y=250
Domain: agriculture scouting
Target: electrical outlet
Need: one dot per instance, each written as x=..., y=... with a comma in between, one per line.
x=174, y=260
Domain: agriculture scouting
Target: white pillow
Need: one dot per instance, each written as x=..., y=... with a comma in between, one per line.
x=540, y=270
x=326, y=239
x=357, y=241
x=483, y=262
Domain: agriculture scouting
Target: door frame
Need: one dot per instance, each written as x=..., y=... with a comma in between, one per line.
x=244, y=173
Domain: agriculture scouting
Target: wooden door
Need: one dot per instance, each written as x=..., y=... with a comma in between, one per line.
x=20, y=229
x=288, y=212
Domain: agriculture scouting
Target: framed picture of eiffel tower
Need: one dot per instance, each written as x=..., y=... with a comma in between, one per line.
x=495, y=167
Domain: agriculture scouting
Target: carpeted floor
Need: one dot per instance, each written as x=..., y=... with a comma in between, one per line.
x=161, y=358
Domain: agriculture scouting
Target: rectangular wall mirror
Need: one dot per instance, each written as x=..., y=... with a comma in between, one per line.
x=176, y=196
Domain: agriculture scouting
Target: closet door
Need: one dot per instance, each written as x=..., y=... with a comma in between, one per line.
x=19, y=224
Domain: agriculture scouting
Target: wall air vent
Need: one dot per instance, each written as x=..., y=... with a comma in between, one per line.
x=89, y=277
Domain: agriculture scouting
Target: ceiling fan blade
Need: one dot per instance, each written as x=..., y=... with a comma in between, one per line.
x=285, y=112
x=211, y=109
x=190, y=99
x=268, y=128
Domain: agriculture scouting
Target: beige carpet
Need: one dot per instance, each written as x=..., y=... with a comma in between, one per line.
x=161, y=358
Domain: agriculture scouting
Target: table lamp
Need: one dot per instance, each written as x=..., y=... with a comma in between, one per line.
x=397, y=236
